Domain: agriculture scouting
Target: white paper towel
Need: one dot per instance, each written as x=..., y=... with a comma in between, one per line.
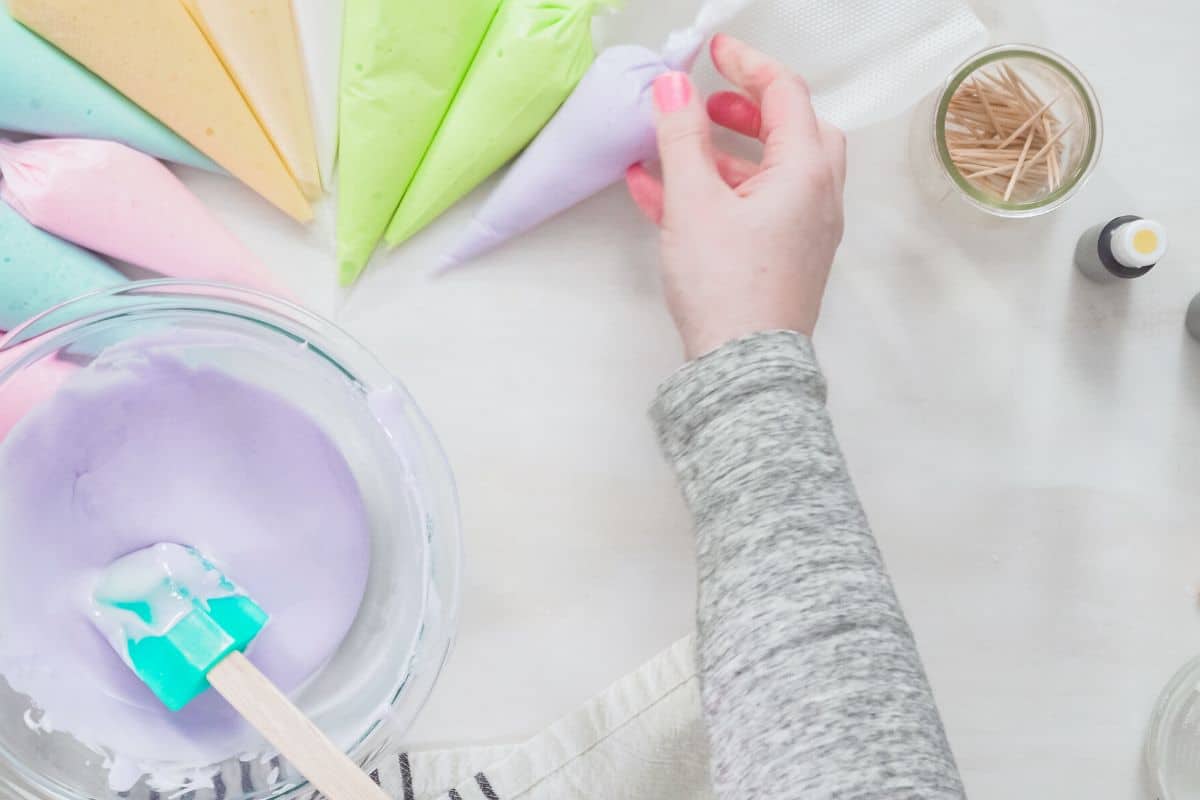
x=866, y=60
x=319, y=26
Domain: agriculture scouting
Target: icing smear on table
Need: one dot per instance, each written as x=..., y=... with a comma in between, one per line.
x=139, y=448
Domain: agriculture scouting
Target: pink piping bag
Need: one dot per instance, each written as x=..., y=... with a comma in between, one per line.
x=27, y=389
x=122, y=203
x=604, y=128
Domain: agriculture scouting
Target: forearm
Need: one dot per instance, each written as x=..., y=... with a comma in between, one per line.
x=811, y=680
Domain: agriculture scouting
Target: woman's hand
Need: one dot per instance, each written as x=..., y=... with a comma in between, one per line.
x=745, y=247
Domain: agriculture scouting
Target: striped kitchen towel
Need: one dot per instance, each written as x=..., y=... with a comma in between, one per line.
x=643, y=737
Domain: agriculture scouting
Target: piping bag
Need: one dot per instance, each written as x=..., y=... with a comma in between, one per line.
x=113, y=200
x=45, y=92
x=256, y=41
x=402, y=63
x=38, y=271
x=605, y=127
x=319, y=28
x=533, y=56
x=29, y=388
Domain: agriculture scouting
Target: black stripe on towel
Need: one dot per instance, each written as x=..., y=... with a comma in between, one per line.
x=247, y=778
x=406, y=777
x=454, y=795
x=485, y=786
x=219, y=786
x=375, y=777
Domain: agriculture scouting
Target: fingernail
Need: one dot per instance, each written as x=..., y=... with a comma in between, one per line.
x=672, y=92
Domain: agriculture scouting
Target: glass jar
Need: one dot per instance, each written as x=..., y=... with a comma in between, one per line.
x=1173, y=745
x=370, y=692
x=1075, y=107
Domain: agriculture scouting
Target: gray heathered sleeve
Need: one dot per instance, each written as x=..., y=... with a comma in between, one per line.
x=811, y=680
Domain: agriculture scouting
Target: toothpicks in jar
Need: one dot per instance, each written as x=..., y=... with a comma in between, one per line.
x=1003, y=138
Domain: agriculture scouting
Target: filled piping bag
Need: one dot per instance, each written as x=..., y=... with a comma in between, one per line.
x=533, y=56
x=45, y=92
x=605, y=127
x=116, y=201
x=38, y=271
x=319, y=27
x=256, y=41
x=402, y=63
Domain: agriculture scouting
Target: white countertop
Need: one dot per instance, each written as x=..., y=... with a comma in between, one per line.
x=1026, y=442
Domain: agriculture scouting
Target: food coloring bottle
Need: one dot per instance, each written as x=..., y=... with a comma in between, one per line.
x=1123, y=248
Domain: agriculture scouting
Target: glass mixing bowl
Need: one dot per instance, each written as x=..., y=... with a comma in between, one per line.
x=372, y=689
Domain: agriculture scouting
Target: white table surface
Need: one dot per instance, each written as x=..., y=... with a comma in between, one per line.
x=1026, y=443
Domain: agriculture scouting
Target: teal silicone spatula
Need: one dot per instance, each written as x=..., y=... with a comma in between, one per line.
x=182, y=626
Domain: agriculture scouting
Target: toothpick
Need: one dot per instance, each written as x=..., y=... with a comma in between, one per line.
x=991, y=114
x=1007, y=169
x=1020, y=163
x=1052, y=142
x=1046, y=124
x=1052, y=162
x=1025, y=125
x=1021, y=89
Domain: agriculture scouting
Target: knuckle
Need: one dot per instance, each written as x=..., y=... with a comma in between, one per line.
x=836, y=146
x=677, y=136
x=801, y=85
x=817, y=175
x=764, y=74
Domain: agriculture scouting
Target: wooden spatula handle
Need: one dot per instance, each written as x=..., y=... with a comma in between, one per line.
x=257, y=699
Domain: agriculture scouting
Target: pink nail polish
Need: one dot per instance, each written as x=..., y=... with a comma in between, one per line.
x=672, y=91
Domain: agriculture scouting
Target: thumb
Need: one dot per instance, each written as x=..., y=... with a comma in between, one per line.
x=684, y=139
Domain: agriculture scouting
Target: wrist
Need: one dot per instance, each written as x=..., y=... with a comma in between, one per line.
x=699, y=343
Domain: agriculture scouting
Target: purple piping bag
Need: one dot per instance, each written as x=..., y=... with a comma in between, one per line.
x=604, y=128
